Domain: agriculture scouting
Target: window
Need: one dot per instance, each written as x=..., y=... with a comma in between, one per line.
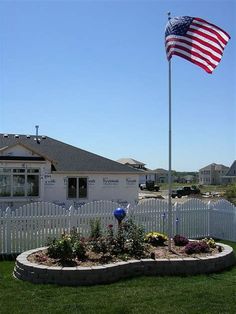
x=18, y=185
x=19, y=182
x=82, y=187
x=72, y=187
x=5, y=185
x=77, y=187
x=32, y=185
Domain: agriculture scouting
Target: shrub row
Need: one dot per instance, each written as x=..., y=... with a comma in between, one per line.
x=129, y=241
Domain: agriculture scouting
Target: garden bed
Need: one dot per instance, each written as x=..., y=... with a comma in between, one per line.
x=27, y=269
x=98, y=259
x=109, y=256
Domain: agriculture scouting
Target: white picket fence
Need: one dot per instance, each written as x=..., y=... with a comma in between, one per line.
x=31, y=225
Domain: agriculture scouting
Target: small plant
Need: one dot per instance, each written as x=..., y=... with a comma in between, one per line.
x=61, y=248
x=180, y=240
x=128, y=241
x=101, y=245
x=67, y=247
x=119, y=240
x=110, y=231
x=210, y=242
x=197, y=247
x=135, y=239
x=79, y=249
x=95, y=228
x=155, y=238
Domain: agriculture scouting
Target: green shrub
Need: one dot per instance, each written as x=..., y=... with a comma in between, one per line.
x=128, y=241
x=95, y=228
x=135, y=242
x=230, y=193
x=67, y=247
x=79, y=249
x=101, y=244
x=61, y=248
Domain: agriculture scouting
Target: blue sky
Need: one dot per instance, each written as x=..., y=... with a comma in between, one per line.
x=94, y=74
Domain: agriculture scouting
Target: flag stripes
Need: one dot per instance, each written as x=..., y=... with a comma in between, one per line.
x=196, y=40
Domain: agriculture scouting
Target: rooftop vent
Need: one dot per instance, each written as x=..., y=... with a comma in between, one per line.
x=37, y=139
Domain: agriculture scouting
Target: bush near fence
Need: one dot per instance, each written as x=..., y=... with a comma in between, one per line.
x=31, y=225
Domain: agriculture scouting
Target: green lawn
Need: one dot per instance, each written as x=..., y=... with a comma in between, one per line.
x=215, y=293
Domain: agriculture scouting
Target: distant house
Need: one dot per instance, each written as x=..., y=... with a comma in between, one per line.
x=161, y=175
x=212, y=174
x=145, y=173
x=188, y=179
x=230, y=176
x=40, y=168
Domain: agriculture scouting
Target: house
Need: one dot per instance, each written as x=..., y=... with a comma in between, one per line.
x=161, y=175
x=230, y=176
x=212, y=174
x=145, y=173
x=189, y=179
x=40, y=168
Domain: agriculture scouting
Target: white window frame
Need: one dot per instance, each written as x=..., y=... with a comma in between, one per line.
x=77, y=187
x=24, y=172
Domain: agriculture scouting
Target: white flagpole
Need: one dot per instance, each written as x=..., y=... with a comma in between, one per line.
x=169, y=172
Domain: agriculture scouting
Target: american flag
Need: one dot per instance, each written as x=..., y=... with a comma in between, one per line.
x=196, y=40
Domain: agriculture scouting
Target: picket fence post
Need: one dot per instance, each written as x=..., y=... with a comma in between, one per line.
x=8, y=230
x=71, y=218
x=176, y=222
x=210, y=208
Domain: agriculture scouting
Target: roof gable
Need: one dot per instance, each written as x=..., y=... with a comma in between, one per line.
x=130, y=161
x=17, y=149
x=232, y=170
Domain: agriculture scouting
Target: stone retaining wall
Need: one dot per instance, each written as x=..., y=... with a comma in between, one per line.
x=73, y=276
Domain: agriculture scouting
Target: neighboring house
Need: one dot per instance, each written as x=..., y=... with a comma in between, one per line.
x=212, y=174
x=40, y=168
x=161, y=175
x=146, y=174
x=230, y=176
x=189, y=179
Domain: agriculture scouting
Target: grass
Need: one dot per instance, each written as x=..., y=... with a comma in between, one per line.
x=213, y=294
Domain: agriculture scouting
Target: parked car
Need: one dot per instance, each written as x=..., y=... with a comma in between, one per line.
x=150, y=186
x=142, y=186
x=186, y=190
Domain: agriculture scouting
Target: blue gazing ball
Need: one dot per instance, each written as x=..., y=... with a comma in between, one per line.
x=120, y=214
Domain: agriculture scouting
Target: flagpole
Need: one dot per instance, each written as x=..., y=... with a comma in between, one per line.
x=169, y=172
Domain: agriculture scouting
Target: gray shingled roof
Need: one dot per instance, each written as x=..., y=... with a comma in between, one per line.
x=130, y=161
x=66, y=157
x=232, y=169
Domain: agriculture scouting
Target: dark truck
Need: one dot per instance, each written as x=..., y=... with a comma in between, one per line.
x=186, y=190
x=150, y=186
